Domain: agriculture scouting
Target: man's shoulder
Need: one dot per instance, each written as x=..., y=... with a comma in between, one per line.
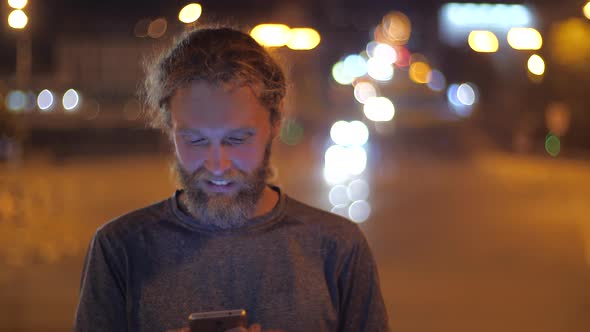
x=326, y=223
x=133, y=221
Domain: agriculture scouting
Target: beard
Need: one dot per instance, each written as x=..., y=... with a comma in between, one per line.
x=223, y=210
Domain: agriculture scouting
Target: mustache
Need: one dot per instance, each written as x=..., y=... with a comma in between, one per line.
x=202, y=173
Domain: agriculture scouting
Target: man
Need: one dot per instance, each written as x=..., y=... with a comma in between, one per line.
x=227, y=239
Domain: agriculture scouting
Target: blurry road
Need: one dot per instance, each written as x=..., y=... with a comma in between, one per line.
x=482, y=241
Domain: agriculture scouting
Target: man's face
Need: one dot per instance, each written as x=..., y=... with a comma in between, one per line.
x=222, y=137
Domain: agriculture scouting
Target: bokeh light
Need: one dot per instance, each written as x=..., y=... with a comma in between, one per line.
x=340, y=75
x=349, y=133
x=466, y=94
x=536, y=65
x=16, y=100
x=338, y=195
x=570, y=42
x=17, y=4
x=419, y=72
x=17, y=19
x=355, y=65
x=524, y=39
x=586, y=10
x=558, y=118
x=379, y=70
x=552, y=145
x=483, y=41
x=45, y=100
x=359, y=211
x=271, y=35
x=379, y=109
x=341, y=210
x=340, y=163
x=292, y=132
x=396, y=28
x=303, y=39
x=357, y=190
x=436, y=80
x=71, y=100
x=383, y=52
x=157, y=28
x=141, y=28
x=364, y=91
x=190, y=13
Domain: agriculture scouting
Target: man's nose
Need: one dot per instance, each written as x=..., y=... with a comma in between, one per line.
x=217, y=160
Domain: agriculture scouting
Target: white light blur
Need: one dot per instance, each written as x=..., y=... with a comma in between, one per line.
x=16, y=100
x=271, y=35
x=379, y=109
x=483, y=15
x=379, y=70
x=452, y=95
x=359, y=211
x=364, y=91
x=338, y=195
x=340, y=163
x=466, y=94
x=341, y=210
x=17, y=4
x=536, y=65
x=458, y=105
x=385, y=53
x=349, y=133
x=17, y=19
x=436, y=80
x=340, y=75
x=524, y=39
x=303, y=39
x=71, y=100
x=190, y=13
x=355, y=65
x=357, y=190
x=45, y=100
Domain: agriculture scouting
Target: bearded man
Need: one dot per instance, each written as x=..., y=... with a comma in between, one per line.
x=227, y=239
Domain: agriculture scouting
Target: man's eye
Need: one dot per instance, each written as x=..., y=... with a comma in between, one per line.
x=236, y=140
x=199, y=141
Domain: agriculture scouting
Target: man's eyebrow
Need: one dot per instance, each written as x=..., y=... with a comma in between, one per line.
x=188, y=131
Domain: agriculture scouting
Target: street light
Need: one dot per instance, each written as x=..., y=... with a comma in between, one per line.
x=190, y=13
x=587, y=10
x=18, y=20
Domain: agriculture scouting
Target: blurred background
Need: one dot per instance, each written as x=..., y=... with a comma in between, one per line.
x=456, y=134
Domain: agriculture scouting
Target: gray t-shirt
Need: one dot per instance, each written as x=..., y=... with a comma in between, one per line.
x=297, y=268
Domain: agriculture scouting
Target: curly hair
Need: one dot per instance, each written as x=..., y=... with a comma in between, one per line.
x=218, y=56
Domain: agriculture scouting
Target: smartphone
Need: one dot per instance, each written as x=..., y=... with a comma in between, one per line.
x=217, y=321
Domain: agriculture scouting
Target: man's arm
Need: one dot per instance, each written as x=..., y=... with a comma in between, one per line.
x=361, y=306
x=101, y=306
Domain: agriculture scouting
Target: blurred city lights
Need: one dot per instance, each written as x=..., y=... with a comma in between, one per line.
x=17, y=19
x=303, y=39
x=342, y=162
x=552, y=145
x=357, y=190
x=379, y=70
x=403, y=56
x=536, y=65
x=379, y=109
x=483, y=41
x=524, y=39
x=338, y=195
x=436, y=80
x=466, y=94
x=190, y=13
x=359, y=211
x=16, y=100
x=45, y=100
x=271, y=35
x=586, y=10
x=473, y=15
x=364, y=91
x=141, y=28
x=349, y=133
x=340, y=75
x=355, y=65
x=157, y=28
x=385, y=53
x=396, y=27
x=569, y=42
x=558, y=118
x=341, y=210
x=419, y=72
x=71, y=100
x=17, y=4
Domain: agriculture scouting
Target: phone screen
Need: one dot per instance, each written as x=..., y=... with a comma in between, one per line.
x=217, y=321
